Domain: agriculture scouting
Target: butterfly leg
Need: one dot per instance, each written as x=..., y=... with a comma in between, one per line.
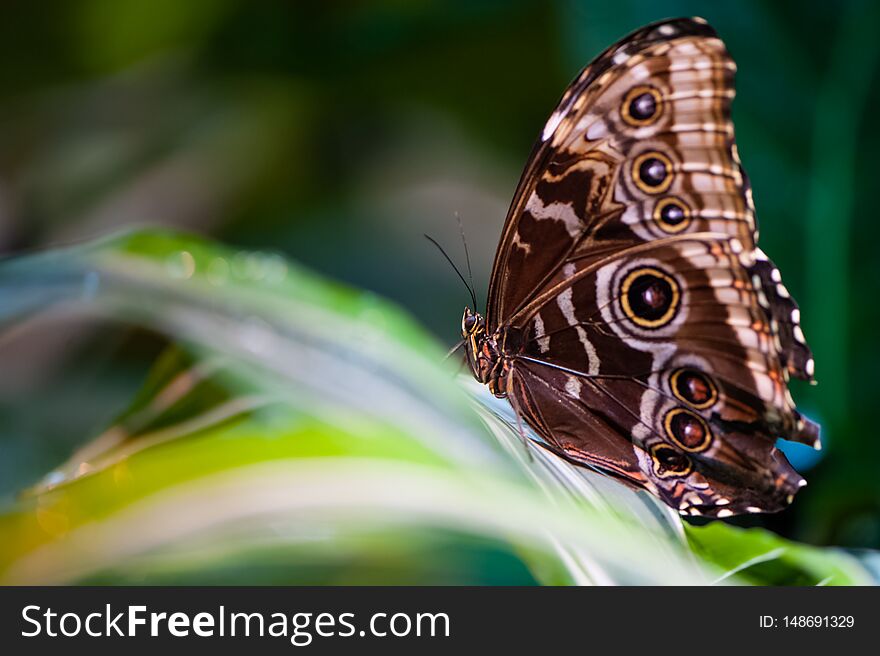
x=526, y=442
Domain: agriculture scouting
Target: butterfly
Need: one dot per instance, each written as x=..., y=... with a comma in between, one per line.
x=631, y=319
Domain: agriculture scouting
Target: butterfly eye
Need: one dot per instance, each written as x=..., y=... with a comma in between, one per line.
x=649, y=297
x=672, y=214
x=468, y=323
x=688, y=430
x=694, y=388
x=641, y=106
x=669, y=461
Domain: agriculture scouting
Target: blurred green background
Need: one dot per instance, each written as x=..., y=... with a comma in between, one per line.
x=338, y=132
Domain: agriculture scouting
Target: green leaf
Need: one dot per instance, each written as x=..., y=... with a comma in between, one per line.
x=762, y=558
x=304, y=432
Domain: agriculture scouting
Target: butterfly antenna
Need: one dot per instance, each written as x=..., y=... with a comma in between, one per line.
x=467, y=256
x=455, y=268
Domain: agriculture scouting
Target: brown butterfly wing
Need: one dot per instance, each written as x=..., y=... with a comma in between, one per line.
x=602, y=384
x=570, y=193
x=696, y=381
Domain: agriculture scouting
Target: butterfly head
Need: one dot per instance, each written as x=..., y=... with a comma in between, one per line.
x=471, y=323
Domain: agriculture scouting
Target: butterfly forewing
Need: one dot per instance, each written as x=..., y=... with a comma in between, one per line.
x=643, y=332
x=576, y=191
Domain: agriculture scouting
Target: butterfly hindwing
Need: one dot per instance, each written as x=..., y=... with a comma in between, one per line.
x=570, y=427
x=668, y=348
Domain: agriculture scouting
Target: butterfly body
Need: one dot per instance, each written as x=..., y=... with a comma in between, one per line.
x=632, y=321
x=484, y=353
